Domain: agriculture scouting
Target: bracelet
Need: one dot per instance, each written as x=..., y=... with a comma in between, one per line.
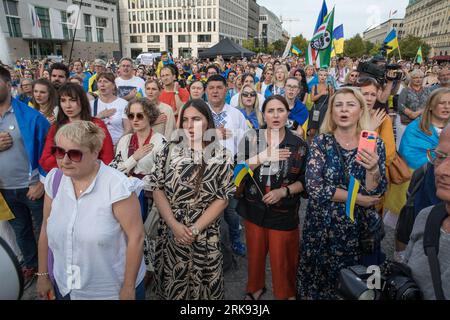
x=288, y=194
x=42, y=274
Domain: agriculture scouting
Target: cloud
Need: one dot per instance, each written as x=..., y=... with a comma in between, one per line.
x=356, y=16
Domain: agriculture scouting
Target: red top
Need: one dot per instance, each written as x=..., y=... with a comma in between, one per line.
x=169, y=97
x=48, y=161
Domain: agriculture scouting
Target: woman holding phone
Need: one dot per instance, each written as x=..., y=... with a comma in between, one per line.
x=331, y=240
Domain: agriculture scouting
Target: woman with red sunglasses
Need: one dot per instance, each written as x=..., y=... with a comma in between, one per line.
x=74, y=105
x=91, y=223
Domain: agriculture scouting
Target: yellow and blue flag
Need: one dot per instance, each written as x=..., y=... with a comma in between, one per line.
x=296, y=50
x=240, y=171
x=338, y=39
x=353, y=189
x=391, y=40
x=419, y=57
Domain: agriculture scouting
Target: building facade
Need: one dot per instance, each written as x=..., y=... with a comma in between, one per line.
x=36, y=29
x=253, y=19
x=378, y=33
x=183, y=27
x=270, y=26
x=430, y=20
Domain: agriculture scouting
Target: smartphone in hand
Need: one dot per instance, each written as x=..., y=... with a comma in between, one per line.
x=367, y=141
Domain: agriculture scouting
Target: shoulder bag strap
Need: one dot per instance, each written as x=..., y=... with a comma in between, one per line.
x=95, y=107
x=341, y=160
x=56, y=182
x=431, y=246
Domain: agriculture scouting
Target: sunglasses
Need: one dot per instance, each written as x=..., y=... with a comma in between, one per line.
x=139, y=116
x=74, y=155
x=248, y=94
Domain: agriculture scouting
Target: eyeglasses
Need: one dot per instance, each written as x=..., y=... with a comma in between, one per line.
x=292, y=87
x=248, y=94
x=74, y=155
x=139, y=116
x=436, y=157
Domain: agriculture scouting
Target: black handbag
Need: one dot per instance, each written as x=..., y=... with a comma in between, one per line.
x=372, y=234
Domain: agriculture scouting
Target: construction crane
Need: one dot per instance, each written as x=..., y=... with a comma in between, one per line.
x=289, y=20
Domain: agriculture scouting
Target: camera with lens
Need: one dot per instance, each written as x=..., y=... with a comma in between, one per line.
x=379, y=70
x=395, y=283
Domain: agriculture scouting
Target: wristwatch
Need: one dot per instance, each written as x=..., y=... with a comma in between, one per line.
x=195, y=231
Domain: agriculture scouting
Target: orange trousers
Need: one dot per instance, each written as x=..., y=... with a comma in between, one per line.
x=282, y=247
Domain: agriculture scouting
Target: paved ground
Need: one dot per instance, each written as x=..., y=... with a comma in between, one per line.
x=236, y=277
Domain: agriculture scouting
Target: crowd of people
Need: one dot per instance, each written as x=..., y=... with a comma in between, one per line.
x=118, y=175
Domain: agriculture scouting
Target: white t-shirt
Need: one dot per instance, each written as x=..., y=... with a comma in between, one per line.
x=88, y=243
x=235, y=100
x=115, y=122
x=232, y=119
x=124, y=87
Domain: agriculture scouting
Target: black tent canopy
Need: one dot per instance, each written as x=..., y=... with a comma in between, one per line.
x=227, y=49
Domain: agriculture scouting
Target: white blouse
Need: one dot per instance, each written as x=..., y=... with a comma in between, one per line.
x=88, y=243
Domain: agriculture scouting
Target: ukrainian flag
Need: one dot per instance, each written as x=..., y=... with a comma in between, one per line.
x=240, y=171
x=391, y=40
x=353, y=189
x=419, y=57
x=338, y=39
x=296, y=50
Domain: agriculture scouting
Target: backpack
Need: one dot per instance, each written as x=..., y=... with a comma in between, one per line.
x=431, y=237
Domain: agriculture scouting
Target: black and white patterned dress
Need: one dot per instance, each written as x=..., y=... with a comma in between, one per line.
x=190, y=271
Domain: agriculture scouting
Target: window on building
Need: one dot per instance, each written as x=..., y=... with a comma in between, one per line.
x=101, y=25
x=184, y=38
x=100, y=37
x=153, y=39
x=152, y=28
x=87, y=19
x=88, y=31
x=199, y=26
x=135, y=39
x=12, y=18
x=44, y=18
x=204, y=38
x=67, y=30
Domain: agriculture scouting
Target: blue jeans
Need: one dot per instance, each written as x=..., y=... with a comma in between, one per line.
x=140, y=292
x=28, y=213
x=232, y=219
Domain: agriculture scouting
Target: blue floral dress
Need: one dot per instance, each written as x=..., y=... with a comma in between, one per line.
x=330, y=240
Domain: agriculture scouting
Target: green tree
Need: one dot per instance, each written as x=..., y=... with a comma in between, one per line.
x=369, y=47
x=354, y=47
x=278, y=47
x=409, y=46
x=249, y=44
x=301, y=43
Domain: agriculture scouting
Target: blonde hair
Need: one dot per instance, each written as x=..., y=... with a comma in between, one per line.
x=83, y=133
x=285, y=71
x=255, y=105
x=432, y=102
x=329, y=126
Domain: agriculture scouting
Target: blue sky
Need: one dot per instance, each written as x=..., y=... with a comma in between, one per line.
x=356, y=16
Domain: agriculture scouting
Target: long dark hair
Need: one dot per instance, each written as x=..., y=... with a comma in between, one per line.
x=202, y=107
x=73, y=91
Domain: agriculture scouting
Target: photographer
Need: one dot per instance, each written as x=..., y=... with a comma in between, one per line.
x=415, y=256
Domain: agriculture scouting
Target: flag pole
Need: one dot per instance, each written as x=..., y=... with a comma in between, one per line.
x=75, y=31
x=399, y=53
x=256, y=184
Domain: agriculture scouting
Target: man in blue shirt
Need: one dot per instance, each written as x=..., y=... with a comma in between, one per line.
x=23, y=131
